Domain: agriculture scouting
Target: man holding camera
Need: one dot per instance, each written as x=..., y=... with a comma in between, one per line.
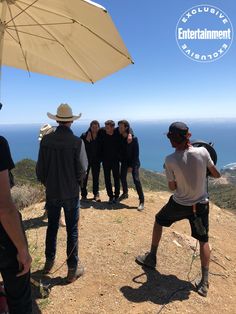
x=186, y=171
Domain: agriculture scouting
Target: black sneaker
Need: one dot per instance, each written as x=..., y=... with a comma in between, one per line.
x=149, y=260
x=74, y=273
x=97, y=198
x=84, y=198
x=202, y=288
x=116, y=200
x=123, y=196
x=48, y=266
x=110, y=200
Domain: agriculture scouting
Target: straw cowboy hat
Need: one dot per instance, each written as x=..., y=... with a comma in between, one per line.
x=64, y=114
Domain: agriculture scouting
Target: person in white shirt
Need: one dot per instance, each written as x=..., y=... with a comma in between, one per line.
x=186, y=171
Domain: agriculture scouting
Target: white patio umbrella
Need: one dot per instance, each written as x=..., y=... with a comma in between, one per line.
x=71, y=39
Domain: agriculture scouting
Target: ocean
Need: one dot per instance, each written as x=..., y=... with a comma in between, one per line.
x=154, y=145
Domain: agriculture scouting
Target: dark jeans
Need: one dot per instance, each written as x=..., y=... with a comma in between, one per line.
x=113, y=167
x=95, y=168
x=18, y=289
x=135, y=175
x=71, y=210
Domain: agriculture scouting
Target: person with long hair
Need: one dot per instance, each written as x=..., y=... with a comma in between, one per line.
x=186, y=171
x=91, y=140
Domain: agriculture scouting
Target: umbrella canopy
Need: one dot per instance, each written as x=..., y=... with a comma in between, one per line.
x=71, y=39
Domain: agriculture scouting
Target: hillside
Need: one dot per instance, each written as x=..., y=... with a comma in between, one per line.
x=110, y=238
x=222, y=192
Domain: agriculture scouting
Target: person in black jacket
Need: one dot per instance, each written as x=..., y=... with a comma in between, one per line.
x=130, y=162
x=92, y=141
x=61, y=167
x=15, y=260
x=110, y=148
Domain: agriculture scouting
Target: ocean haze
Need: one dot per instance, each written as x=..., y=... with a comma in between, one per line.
x=154, y=145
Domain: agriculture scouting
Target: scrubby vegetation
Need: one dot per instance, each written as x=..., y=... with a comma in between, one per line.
x=223, y=195
x=25, y=195
x=28, y=190
x=24, y=172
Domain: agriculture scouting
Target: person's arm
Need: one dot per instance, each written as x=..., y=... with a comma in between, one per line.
x=170, y=176
x=210, y=166
x=214, y=172
x=130, y=136
x=81, y=163
x=10, y=220
x=172, y=185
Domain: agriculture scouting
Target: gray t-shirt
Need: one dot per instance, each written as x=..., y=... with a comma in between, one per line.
x=188, y=169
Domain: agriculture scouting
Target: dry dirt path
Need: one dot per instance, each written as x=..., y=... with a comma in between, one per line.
x=113, y=283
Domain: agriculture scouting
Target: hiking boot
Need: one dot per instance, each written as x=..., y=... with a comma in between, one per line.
x=140, y=207
x=74, y=273
x=123, y=196
x=97, y=198
x=202, y=288
x=48, y=266
x=148, y=259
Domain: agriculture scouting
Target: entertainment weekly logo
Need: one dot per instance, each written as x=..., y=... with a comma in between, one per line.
x=204, y=33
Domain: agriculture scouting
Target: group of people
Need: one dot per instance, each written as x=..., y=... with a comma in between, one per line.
x=118, y=151
x=63, y=167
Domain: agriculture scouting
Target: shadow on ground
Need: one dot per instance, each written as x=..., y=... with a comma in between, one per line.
x=157, y=288
x=35, y=223
x=41, y=288
x=89, y=203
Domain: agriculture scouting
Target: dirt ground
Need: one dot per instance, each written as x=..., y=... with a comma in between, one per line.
x=109, y=240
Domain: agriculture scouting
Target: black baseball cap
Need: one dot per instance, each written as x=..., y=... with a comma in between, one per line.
x=178, y=128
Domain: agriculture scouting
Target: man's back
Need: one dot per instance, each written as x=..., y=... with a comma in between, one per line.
x=188, y=169
x=61, y=164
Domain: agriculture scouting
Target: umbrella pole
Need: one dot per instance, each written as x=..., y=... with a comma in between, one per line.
x=2, y=33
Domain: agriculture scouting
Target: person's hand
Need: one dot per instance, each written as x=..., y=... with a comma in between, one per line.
x=89, y=137
x=129, y=169
x=25, y=261
x=129, y=138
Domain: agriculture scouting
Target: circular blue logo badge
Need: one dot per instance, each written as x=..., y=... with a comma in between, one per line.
x=204, y=33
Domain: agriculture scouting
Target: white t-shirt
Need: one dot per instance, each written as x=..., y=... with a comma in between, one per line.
x=188, y=168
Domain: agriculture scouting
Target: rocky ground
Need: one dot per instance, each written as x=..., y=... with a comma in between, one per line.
x=110, y=238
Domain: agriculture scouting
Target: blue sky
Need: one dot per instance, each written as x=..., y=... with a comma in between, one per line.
x=162, y=84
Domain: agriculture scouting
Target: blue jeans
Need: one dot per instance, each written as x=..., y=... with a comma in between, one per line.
x=71, y=210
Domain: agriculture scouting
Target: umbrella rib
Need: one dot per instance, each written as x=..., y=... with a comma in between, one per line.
x=12, y=37
x=17, y=34
x=22, y=11
x=87, y=28
x=105, y=41
x=35, y=35
x=75, y=61
x=44, y=24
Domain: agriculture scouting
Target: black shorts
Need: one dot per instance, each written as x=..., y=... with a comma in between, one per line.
x=173, y=212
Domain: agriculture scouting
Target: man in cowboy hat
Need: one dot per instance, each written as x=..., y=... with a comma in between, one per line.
x=61, y=166
x=15, y=260
x=186, y=171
